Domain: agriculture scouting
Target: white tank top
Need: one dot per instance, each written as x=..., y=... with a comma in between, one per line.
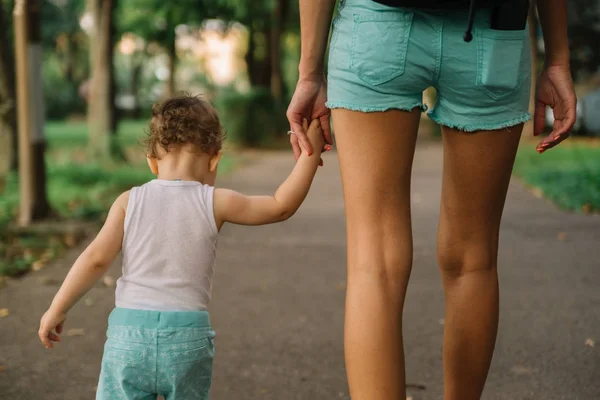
x=169, y=247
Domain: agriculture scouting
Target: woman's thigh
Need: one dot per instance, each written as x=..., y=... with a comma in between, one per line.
x=477, y=171
x=375, y=154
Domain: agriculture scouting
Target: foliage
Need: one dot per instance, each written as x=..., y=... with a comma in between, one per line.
x=569, y=174
x=584, y=29
x=250, y=119
x=61, y=97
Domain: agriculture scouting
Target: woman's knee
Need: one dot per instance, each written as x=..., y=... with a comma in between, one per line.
x=385, y=261
x=458, y=255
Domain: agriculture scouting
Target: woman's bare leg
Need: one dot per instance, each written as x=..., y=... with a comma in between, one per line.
x=376, y=153
x=477, y=169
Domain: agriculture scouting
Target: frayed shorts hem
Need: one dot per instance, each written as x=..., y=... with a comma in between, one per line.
x=367, y=109
x=474, y=127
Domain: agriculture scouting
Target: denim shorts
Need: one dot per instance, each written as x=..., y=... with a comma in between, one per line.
x=148, y=353
x=383, y=58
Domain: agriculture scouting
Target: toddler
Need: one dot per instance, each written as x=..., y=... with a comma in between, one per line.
x=159, y=338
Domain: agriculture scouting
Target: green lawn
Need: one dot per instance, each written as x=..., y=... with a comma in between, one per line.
x=568, y=174
x=77, y=189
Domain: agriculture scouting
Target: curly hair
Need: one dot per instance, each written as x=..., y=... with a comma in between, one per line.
x=182, y=120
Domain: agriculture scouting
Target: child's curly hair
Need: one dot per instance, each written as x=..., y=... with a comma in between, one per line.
x=182, y=120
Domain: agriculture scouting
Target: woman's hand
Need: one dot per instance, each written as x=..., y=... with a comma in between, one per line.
x=554, y=89
x=308, y=103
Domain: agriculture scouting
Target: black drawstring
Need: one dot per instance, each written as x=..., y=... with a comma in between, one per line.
x=468, y=35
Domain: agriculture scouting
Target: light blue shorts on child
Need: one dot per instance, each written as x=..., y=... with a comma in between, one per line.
x=148, y=353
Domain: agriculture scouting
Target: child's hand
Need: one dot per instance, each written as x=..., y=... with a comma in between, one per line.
x=50, y=321
x=315, y=135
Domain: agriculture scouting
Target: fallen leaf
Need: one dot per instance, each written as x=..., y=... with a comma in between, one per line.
x=88, y=301
x=4, y=312
x=75, y=332
x=562, y=236
x=70, y=240
x=589, y=342
x=441, y=321
x=537, y=192
x=417, y=386
x=39, y=264
x=2, y=368
x=108, y=281
x=341, y=286
x=586, y=208
x=521, y=370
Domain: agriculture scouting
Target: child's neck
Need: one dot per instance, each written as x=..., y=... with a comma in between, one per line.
x=184, y=166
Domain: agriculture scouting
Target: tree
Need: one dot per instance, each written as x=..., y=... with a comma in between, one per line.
x=101, y=105
x=266, y=22
x=278, y=18
x=32, y=167
x=8, y=117
x=584, y=29
x=156, y=21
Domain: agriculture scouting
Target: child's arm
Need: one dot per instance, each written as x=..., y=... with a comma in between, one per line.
x=231, y=206
x=89, y=267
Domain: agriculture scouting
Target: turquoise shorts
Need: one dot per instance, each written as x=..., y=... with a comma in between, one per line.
x=148, y=353
x=383, y=58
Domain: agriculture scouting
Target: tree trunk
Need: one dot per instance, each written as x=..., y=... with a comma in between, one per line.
x=28, y=56
x=100, y=108
x=263, y=65
x=250, y=61
x=136, y=71
x=275, y=46
x=112, y=32
x=41, y=207
x=172, y=52
x=8, y=117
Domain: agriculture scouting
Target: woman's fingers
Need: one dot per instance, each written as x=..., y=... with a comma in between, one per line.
x=295, y=146
x=326, y=127
x=539, y=118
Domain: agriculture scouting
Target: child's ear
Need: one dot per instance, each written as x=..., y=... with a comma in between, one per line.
x=152, y=164
x=214, y=161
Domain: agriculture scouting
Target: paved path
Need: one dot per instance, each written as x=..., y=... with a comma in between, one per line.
x=279, y=295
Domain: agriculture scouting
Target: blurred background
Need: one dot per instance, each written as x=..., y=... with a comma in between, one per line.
x=103, y=63
x=95, y=67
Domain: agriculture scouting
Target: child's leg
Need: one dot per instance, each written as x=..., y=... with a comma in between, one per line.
x=128, y=368
x=129, y=360
x=120, y=382
x=185, y=355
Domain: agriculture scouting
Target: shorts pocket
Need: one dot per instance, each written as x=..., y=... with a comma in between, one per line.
x=379, y=45
x=188, y=352
x=125, y=353
x=499, y=58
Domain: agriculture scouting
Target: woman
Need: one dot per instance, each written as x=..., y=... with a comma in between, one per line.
x=381, y=59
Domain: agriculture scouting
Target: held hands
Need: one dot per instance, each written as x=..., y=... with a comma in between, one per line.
x=308, y=103
x=51, y=321
x=314, y=134
x=554, y=89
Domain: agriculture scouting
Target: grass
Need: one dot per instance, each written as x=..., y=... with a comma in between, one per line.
x=569, y=174
x=77, y=190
